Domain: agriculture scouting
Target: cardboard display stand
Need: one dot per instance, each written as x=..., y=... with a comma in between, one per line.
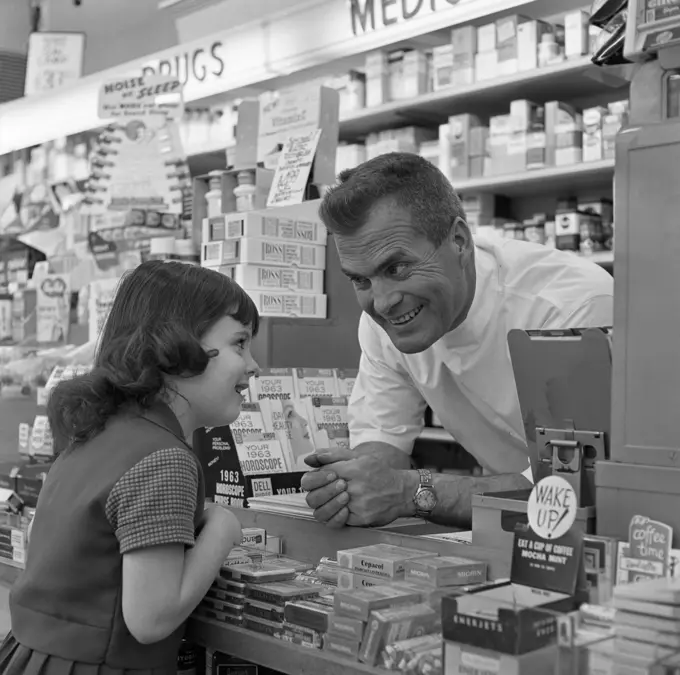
x=224, y=480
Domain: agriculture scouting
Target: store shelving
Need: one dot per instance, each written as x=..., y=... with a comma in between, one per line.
x=565, y=81
x=560, y=180
x=269, y=652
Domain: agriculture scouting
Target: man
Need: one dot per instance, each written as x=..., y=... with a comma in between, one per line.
x=437, y=309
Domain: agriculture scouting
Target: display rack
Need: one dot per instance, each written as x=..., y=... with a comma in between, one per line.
x=578, y=79
x=558, y=180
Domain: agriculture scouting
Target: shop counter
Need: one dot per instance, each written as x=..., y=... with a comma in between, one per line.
x=309, y=541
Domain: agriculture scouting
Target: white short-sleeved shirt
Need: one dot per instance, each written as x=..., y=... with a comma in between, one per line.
x=466, y=377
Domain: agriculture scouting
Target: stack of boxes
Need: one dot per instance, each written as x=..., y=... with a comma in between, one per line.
x=13, y=539
x=278, y=259
x=530, y=136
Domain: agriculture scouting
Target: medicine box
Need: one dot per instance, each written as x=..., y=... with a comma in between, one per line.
x=358, y=604
x=445, y=571
x=349, y=580
x=388, y=626
x=253, y=224
x=288, y=303
x=347, y=628
x=464, y=43
x=256, y=250
x=272, y=278
x=380, y=560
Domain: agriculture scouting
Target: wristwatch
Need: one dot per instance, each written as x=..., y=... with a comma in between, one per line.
x=425, y=498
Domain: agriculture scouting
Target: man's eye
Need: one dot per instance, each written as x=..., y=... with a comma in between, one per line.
x=397, y=269
x=359, y=281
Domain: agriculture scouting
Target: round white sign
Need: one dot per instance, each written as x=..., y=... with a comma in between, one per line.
x=552, y=507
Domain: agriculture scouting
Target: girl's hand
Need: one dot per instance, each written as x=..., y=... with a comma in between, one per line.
x=223, y=525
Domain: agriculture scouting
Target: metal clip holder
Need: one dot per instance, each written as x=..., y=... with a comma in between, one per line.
x=571, y=454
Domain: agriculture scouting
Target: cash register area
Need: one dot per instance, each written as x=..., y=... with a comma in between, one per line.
x=533, y=110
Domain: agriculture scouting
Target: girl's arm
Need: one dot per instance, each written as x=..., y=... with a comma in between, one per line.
x=166, y=570
x=163, y=585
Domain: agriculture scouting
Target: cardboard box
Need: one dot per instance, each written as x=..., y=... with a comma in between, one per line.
x=358, y=604
x=445, y=571
x=394, y=624
x=521, y=616
x=380, y=560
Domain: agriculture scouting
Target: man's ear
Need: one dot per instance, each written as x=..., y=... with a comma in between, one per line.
x=461, y=238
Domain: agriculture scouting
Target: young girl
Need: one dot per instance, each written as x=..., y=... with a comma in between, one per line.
x=121, y=549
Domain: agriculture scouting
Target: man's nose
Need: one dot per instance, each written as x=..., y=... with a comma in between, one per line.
x=385, y=298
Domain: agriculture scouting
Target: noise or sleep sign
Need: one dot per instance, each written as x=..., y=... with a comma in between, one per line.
x=552, y=507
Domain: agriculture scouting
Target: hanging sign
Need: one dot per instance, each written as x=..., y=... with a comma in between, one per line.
x=54, y=61
x=145, y=97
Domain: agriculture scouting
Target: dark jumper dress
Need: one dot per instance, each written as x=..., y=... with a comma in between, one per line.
x=136, y=485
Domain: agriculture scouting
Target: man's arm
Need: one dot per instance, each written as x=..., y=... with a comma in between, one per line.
x=387, y=455
x=454, y=494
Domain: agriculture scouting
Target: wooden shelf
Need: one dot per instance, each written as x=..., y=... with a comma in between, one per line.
x=561, y=180
x=269, y=652
x=566, y=81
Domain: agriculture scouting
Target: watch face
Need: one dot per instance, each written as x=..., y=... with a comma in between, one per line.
x=426, y=500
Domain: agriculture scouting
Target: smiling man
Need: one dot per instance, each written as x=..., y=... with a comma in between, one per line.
x=437, y=308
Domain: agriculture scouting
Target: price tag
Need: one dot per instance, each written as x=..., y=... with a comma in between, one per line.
x=552, y=508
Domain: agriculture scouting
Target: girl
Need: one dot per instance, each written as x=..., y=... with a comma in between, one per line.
x=121, y=549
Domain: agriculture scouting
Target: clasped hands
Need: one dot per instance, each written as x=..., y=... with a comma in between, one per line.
x=357, y=490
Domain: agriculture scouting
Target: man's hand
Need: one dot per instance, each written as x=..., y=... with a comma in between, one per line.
x=358, y=490
x=326, y=494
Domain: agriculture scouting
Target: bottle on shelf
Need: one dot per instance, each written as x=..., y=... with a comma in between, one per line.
x=162, y=248
x=548, y=50
x=213, y=197
x=245, y=191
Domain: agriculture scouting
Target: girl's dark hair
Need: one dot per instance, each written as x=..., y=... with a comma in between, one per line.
x=160, y=312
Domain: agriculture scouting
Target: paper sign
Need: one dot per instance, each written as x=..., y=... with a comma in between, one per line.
x=54, y=61
x=292, y=173
x=143, y=97
x=552, y=565
x=53, y=307
x=649, y=548
x=552, y=507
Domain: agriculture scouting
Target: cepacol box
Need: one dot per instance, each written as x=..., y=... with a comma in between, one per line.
x=445, y=571
x=379, y=560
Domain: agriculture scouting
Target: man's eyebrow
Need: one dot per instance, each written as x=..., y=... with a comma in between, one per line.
x=245, y=333
x=382, y=263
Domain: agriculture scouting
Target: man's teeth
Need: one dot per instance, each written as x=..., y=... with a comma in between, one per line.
x=405, y=318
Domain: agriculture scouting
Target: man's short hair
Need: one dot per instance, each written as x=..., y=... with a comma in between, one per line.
x=412, y=182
